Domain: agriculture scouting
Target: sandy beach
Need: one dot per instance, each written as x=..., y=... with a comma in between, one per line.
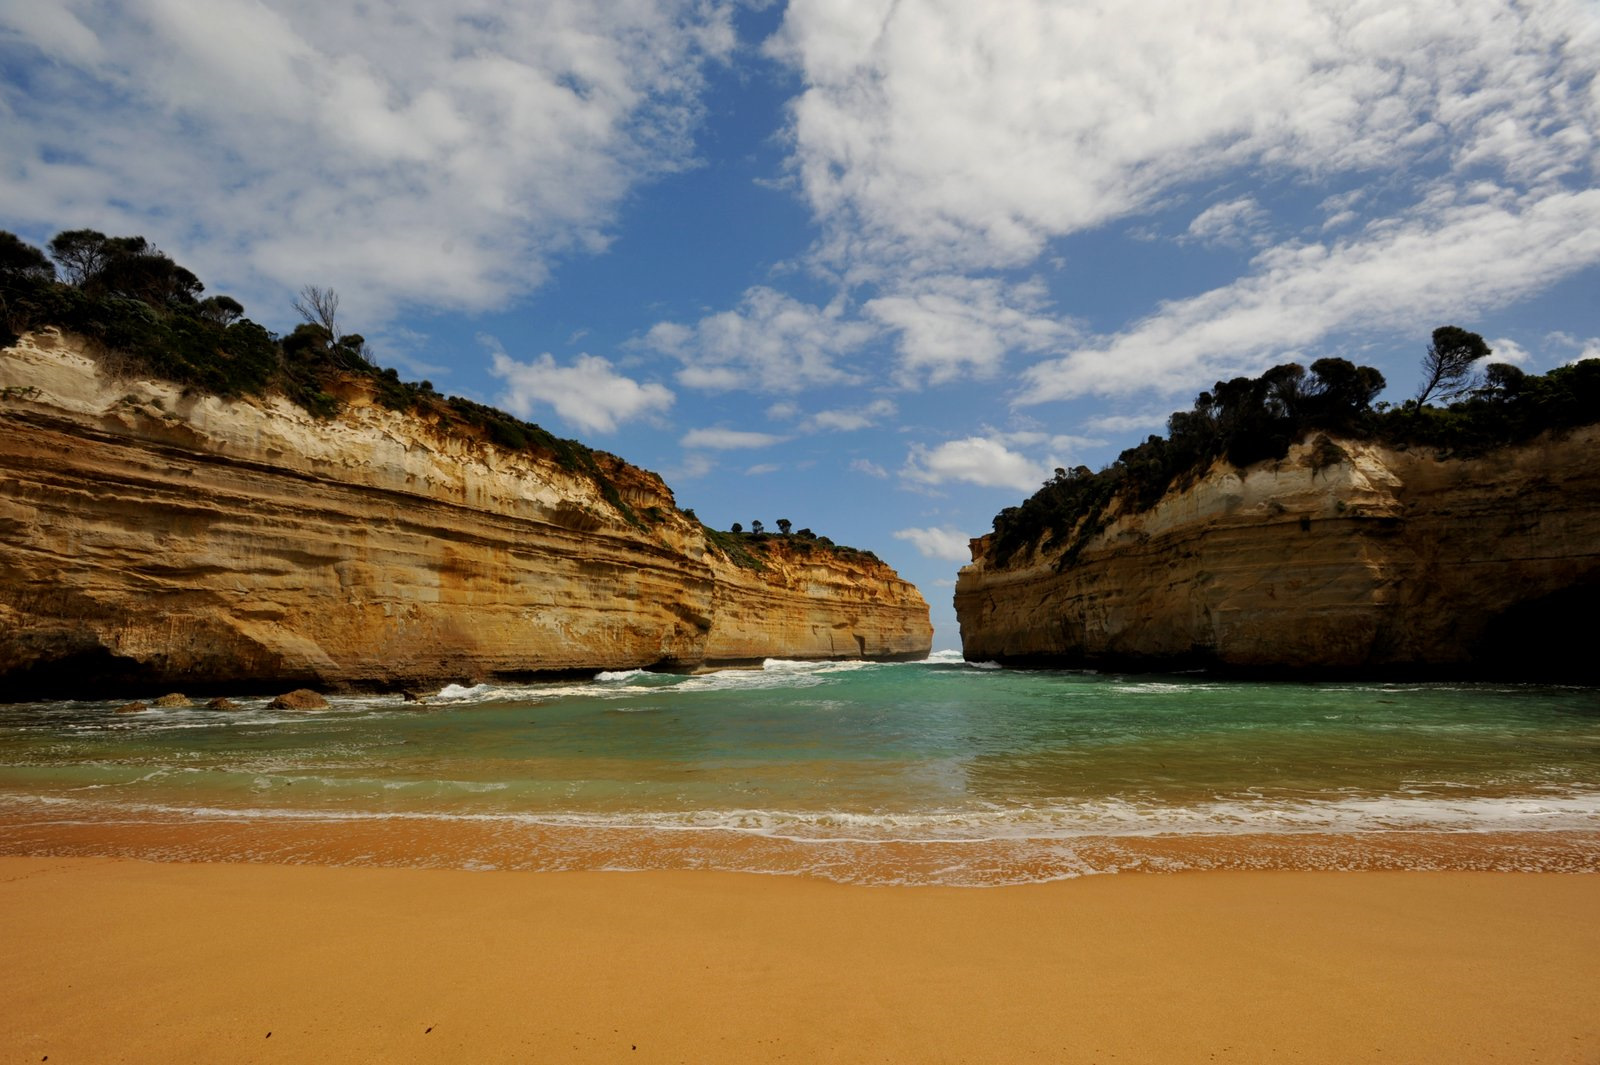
x=111, y=960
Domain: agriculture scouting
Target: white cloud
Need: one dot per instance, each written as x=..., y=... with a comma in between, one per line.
x=945, y=543
x=404, y=154
x=868, y=467
x=728, y=439
x=974, y=460
x=1234, y=223
x=850, y=419
x=695, y=465
x=953, y=326
x=761, y=468
x=1585, y=348
x=1451, y=261
x=1127, y=423
x=938, y=136
x=1507, y=350
x=770, y=343
x=589, y=393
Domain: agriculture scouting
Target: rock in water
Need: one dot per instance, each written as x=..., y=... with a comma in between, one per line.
x=175, y=700
x=299, y=699
x=223, y=704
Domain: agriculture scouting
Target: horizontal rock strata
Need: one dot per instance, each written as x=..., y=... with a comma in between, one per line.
x=151, y=537
x=1386, y=562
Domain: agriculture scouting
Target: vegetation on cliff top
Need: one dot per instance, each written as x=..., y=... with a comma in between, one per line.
x=751, y=549
x=1253, y=419
x=146, y=312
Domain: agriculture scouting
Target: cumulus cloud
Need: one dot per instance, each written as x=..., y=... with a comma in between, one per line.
x=943, y=543
x=868, y=467
x=940, y=135
x=1457, y=256
x=1505, y=349
x=588, y=393
x=401, y=153
x=939, y=142
x=728, y=439
x=974, y=460
x=770, y=343
x=951, y=326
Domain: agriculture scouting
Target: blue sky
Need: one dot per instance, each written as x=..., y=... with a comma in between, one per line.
x=876, y=267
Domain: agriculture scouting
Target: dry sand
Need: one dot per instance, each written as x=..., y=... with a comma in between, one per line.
x=108, y=960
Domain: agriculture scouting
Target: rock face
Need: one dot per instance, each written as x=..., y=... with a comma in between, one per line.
x=1384, y=562
x=151, y=537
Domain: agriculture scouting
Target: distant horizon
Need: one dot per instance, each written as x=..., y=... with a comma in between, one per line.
x=876, y=268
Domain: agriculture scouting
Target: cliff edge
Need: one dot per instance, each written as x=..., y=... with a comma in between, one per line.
x=1345, y=557
x=154, y=536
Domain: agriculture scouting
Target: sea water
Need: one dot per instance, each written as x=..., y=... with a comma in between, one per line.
x=936, y=772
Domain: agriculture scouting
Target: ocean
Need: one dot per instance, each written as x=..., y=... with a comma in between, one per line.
x=936, y=772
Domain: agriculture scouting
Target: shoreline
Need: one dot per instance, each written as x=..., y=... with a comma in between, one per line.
x=145, y=961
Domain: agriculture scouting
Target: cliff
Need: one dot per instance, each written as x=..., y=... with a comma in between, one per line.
x=1345, y=558
x=155, y=538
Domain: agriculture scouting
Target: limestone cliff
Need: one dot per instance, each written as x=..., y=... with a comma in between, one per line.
x=1350, y=560
x=154, y=538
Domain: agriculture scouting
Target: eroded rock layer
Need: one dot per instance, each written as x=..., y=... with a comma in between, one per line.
x=151, y=537
x=1379, y=562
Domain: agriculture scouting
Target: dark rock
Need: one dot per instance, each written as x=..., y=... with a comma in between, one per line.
x=173, y=701
x=133, y=708
x=223, y=704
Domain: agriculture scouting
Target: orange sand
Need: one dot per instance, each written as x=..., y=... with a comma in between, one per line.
x=108, y=960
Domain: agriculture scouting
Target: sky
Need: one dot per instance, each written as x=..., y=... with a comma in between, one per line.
x=876, y=267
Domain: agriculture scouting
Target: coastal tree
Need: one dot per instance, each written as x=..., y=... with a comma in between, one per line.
x=81, y=253
x=756, y=527
x=736, y=527
x=19, y=259
x=1447, y=367
x=784, y=525
x=320, y=306
x=223, y=310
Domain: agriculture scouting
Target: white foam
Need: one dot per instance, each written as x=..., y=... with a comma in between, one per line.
x=611, y=676
x=1578, y=811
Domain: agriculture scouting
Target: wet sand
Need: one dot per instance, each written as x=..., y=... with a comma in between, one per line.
x=117, y=960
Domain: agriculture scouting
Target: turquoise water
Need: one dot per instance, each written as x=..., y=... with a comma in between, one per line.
x=936, y=772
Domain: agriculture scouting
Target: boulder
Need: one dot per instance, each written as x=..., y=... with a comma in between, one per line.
x=173, y=701
x=299, y=699
x=223, y=704
x=133, y=708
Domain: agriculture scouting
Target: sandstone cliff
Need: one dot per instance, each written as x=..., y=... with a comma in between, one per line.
x=1380, y=562
x=153, y=538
